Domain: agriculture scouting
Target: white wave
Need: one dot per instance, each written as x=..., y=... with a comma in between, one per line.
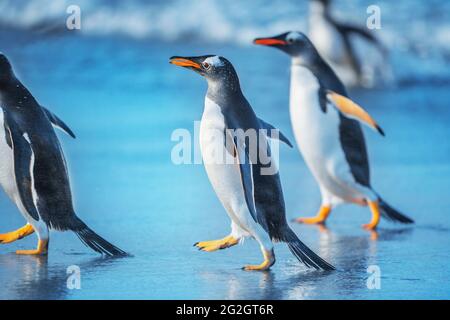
x=229, y=21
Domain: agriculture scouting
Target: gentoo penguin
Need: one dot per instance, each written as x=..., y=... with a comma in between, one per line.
x=33, y=171
x=252, y=197
x=336, y=43
x=326, y=124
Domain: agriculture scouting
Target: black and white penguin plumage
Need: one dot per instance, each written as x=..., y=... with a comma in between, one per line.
x=326, y=124
x=248, y=187
x=33, y=171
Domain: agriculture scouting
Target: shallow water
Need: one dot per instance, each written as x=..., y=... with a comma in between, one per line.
x=123, y=100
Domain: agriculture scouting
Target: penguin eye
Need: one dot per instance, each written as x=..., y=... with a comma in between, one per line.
x=206, y=65
x=290, y=40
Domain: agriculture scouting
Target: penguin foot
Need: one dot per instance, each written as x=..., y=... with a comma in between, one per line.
x=42, y=249
x=269, y=260
x=214, y=245
x=372, y=225
x=320, y=218
x=312, y=220
x=369, y=226
x=9, y=237
x=373, y=235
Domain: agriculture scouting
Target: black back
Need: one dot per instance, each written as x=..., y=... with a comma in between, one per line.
x=33, y=138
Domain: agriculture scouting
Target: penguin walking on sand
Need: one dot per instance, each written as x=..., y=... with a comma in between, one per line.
x=335, y=41
x=326, y=124
x=252, y=197
x=33, y=171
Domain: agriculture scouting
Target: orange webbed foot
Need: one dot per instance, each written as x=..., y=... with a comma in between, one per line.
x=320, y=218
x=16, y=235
x=42, y=249
x=269, y=260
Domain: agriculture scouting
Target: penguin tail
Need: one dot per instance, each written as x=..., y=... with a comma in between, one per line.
x=97, y=243
x=303, y=253
x=391, y=214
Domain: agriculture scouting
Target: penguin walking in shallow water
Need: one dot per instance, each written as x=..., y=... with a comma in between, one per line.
x=252, y=197
x=33, y=171
x=335, y=41
x=326, y=124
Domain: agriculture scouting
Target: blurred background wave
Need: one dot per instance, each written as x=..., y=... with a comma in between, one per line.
x=408, y=21
x=419, y=28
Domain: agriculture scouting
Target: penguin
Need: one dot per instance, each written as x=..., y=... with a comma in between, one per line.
x=327, y=128
x=252, y=197
x=33, y=170
x=334, y=41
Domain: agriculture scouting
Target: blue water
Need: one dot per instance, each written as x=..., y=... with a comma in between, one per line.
x=123, y=100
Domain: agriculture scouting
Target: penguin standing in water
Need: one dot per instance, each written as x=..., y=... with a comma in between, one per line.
x=326, y=124
x=33, y=171
x=335, y=42
x=252, y=197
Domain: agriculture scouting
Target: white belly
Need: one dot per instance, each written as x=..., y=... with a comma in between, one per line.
x=7, y=178
x=317, y=135
x=223, y=173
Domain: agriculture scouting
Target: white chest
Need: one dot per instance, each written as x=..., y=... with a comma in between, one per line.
x=212, y=128
x=316, y=132
x=220, y=166
x=7, y=177
x=305, y=109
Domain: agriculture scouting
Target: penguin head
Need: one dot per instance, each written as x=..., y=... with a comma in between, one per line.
x=214, y=68
x=295, y=44
x=5, y=68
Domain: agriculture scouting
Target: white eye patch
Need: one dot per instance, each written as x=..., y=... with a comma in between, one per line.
x=214, y=61
x=294, y=36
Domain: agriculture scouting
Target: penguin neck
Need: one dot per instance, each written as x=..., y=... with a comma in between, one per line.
x=322, y=71
x=312, y=60
x=221, y=90
x=6, y=79
x=14, y=95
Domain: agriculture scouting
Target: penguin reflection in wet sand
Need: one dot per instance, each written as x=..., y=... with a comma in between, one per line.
x=326, y=124
x=33, y=171
x=252, y=198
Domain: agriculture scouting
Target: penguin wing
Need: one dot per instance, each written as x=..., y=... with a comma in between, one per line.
x=41, y=174
x=354, y=146
x=23, y=165
x=246, y=169
x=351, y=138
x=278, y=134
x=57, y=122
x=262, y=190
x=352, y=110
x=347, y=29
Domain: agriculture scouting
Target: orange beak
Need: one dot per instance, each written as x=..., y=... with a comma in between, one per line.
x=269, y=42
x=182, y=62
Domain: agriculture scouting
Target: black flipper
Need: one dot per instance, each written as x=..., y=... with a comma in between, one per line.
x=53, y=211
x=246, y=170
x=269, y=128
x=57, y=122
x=349, y=29
x=391, y=214
x=23, y=157
x=303, y=253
